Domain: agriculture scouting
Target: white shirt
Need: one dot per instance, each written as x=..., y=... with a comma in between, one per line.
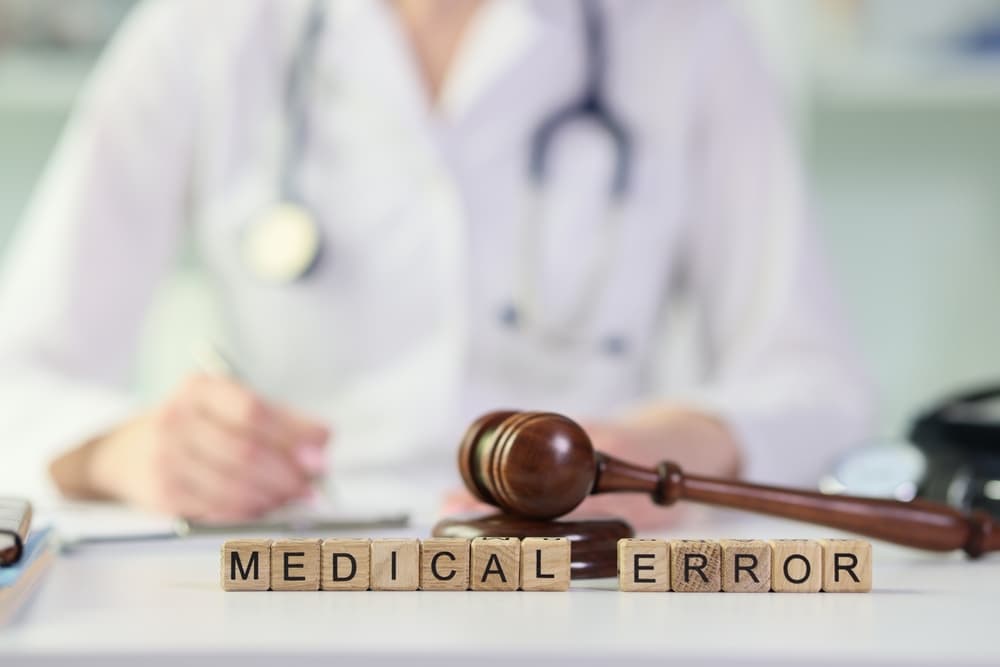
x=396, y=339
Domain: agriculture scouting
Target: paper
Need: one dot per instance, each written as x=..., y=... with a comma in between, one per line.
x=79, y=524
x=82, y=522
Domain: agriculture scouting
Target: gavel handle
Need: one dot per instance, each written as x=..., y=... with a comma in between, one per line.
x=918, y=523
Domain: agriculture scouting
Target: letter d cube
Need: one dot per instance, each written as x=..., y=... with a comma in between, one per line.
x=345, y=564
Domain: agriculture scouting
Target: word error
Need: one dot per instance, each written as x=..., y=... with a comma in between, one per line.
x=745, y=566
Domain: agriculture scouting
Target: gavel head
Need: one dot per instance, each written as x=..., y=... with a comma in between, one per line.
x=535, y=464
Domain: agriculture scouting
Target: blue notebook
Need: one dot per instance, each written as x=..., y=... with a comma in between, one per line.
x=19, y=580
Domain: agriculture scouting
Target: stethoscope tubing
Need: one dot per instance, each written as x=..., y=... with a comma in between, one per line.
x=300, y=79
x=525, y=311
x=591, y=105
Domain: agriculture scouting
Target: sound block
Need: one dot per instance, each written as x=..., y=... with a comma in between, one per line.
x=593, y=542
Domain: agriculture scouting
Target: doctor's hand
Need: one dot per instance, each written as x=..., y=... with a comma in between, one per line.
x=213, y=451
x=699, y=443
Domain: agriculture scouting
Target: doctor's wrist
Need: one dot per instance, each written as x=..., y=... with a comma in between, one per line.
x=110, y=466
x=79, y=472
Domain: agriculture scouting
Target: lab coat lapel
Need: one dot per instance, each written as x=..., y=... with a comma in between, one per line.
x=501, y=36
x=369, y=47
x=367, y=52
x=517, y=63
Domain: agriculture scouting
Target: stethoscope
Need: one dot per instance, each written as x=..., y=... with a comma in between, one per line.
x=284, y=244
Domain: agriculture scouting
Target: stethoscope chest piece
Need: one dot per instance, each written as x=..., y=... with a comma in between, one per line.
x=281, y=244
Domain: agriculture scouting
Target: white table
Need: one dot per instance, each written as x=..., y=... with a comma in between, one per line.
x=162, y=602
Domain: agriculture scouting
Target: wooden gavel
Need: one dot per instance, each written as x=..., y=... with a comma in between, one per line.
x=542, y=465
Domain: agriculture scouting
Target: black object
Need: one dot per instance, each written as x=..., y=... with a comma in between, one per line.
x=15, y=521
x=961, y=438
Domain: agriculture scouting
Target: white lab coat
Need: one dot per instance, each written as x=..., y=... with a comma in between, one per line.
x=395, y=339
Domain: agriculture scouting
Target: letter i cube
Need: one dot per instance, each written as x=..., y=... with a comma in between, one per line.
x=395, y=565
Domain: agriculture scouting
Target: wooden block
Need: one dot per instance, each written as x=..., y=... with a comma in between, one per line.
x=847, y=566
x=245, y=565
x=643, y=565
x=345, y=564
x=395, y=565
x=444, y=564
x=295, y=565
x=495, y=564
x=746, y=566
x=796, y=566
x=695, y=566
x=545, y=564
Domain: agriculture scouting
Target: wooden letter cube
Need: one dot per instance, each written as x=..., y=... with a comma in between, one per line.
x=695, y=566
x=545, y=564
x=295, y=565
x=847, y=566
x=643, y=565
x=245, y=565
x=495, y=563
x=444, y=564
x=746, y=566
x=395, y=565
x=345, y=565
x=796, y=566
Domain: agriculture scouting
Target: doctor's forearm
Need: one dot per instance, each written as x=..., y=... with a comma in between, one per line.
x=73, y=473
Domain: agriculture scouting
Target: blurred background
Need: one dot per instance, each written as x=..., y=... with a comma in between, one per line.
x=897, y=108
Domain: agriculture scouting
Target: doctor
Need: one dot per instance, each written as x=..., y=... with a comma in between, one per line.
x=413, y=212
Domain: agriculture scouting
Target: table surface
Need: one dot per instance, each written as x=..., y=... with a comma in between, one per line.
x=162, y=601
